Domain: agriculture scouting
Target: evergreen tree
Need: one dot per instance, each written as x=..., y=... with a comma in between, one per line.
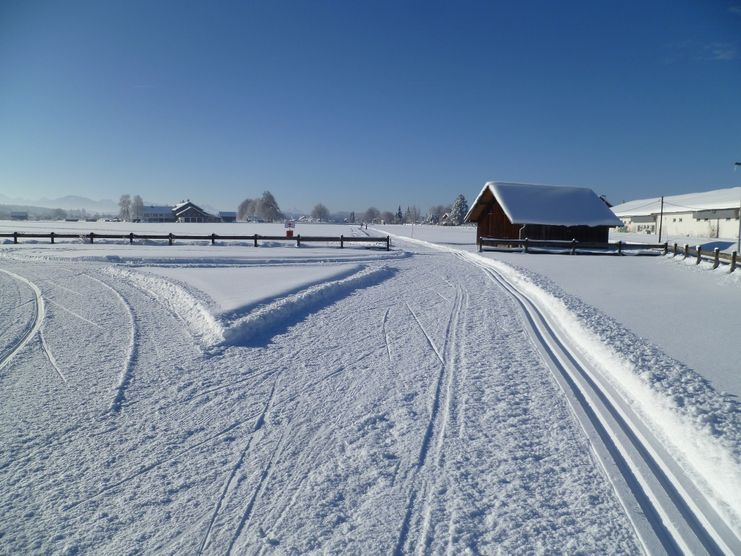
x=459, y=210
x=399, y=216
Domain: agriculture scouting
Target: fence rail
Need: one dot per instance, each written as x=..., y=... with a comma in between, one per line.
x=697, y=252
x=573, y=246
x=255, y=238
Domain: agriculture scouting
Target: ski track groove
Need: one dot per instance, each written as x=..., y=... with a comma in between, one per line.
x=71, y=312
x=671, y=538
x=50, y=357
x=217, y=508
x=38, y=319
x=128, y=368
x=386, y=334
x=247, y=514
x=442, y=390
x=159, y=463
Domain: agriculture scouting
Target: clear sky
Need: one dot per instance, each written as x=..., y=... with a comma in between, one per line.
x=356, y=103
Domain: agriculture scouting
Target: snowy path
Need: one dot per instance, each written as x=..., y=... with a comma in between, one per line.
x=413, y=414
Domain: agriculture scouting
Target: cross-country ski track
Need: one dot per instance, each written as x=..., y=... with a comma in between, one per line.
x=425, y=404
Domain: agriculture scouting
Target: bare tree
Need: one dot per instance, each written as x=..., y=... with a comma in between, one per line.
x=320, y=212
x=124, y=205
x=371, y=214
x=388, y=217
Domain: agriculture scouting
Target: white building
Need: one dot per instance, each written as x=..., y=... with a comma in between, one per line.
x=160, y=213
x=712, y=214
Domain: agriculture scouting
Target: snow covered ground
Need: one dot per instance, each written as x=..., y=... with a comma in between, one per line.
x=217, y=399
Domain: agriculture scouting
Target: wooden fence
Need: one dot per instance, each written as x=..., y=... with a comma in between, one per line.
x=255, y=238
x=617, y=248
x=698, y=253
x=573, y=246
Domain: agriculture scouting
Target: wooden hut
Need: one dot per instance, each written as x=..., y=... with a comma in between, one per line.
x=518, y=211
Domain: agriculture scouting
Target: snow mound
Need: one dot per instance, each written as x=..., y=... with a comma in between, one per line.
x=265, y=321
x=191, y=310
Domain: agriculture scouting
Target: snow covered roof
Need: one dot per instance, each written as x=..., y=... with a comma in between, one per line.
x=688, y=202
x=157, y=209
x=525, y=203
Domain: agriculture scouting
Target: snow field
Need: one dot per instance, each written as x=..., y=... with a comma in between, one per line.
x=699, y=427
x=409, y=412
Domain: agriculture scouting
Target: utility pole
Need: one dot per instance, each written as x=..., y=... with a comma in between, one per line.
x=738, y=241
x=661, y=217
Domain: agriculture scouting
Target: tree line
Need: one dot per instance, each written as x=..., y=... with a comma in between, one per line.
x=266, y=209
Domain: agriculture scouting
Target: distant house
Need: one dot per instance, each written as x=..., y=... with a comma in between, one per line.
x=228, y=216
x=707, y=214
x=161, y=213
x=517, y=211
x=190, y=212
x=18, y=215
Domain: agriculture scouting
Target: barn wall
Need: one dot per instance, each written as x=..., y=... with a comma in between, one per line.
x=494, y=223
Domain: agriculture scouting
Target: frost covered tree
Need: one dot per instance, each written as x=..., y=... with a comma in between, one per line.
x=320, y=212
x=388, y=217
x=459, y=210
x=371, y=214
x=137, y=208
x=124, y=206
x=265, y=208
x=399, y=216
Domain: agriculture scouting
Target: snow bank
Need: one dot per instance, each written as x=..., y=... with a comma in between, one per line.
x=700, y=427
x=264, y=321
x=192, y=311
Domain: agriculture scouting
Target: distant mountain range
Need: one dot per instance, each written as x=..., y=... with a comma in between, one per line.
x=68, y=202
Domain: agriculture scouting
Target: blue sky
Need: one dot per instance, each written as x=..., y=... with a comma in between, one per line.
x=366, y=103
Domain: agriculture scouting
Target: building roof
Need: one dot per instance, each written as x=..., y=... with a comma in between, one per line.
x=157, y=209
x=525, y=203
x=688, y=202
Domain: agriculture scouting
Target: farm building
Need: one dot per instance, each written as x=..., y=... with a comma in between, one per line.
x=708, y=214
x=518, y=210
x=190, y=212
x=162, y=213
x=227, y=216
x=19, y=215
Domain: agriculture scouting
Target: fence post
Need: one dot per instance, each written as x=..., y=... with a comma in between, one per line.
x=716, y=258
x=388, y=243
x=51, y=235
x=573, y=246
x=255, y=238
x=620, y=247
x=298, y=240
x=92, y=236
x=666, y=247
x=675, y=249
x=169, y=238
x=342, y=242
x=15, y=237
x=480, y=245
x=699, y=254
x=131, y=238
x=733, y=261
x=686, y=250
x=213, y=239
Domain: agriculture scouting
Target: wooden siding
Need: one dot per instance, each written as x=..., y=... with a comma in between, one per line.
x=493, y=222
